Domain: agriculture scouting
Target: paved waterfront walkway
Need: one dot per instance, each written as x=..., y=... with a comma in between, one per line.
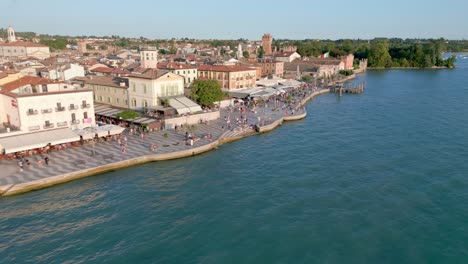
x=78, y=158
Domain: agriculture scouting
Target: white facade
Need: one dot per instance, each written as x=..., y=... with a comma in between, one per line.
x=41, y=107
x=289, y=57
x=20, y=49
x=189, y=75
x=11, y=34
x=143, y=92
x=149, y=58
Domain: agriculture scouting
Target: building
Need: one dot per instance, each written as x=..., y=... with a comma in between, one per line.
x=108, y=90
x=32, y=104
x=9, y=76
x=287, y=56
x=23, y=49
x=229, y=77
x=82, y=46
x=271, y=67
x=149, y=57
x=63, y=72
x=11, y=34
x=348, y=62
x=188, y=71
x=147, y=89
x=267, y=40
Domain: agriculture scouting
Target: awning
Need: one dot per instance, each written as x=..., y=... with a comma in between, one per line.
x=109, y=130
x=37, y=140
x=184, y=105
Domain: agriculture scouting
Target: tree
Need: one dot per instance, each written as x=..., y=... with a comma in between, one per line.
x=260, y=52
x=206, y=92
x=379, y=56
x=246, y=54
x=128, y=114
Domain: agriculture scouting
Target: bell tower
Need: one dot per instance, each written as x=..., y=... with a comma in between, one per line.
x=11, y=34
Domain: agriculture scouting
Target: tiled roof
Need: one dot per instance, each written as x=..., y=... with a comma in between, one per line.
x=105, y=81
x=110, y=70
x=175, y=65
x=149, y=74
x=23, y=44
x=285, y=54
x=224, y=68
x=25, y=81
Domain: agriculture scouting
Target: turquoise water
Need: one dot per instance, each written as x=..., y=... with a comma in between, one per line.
x=380, y=177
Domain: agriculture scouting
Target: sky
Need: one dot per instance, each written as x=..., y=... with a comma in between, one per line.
x=248, y=19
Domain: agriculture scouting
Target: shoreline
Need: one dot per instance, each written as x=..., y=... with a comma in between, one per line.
x=15, y=189
x=409, y=68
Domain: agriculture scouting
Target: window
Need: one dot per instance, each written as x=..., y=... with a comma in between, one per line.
x=73, y=117
x=133, y=87
x=109, y=100
x=134, y=102
x=44, y=88
x=126, y=102
x=85, y=115
x=144, y=88
x=144, y=103
x=101, y=99
x=47, y=123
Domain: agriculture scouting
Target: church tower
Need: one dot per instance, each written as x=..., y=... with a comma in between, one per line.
x=11, y=34
x=267, y=40
x=239, y=52
x=149, y=57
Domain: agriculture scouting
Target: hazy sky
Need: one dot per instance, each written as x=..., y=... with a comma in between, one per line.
x=294, y=19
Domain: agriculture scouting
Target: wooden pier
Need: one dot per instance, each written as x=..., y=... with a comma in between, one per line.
x=340, y=88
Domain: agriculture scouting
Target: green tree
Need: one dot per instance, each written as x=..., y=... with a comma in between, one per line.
x=206, y=92
x=261, y=52
x=378, y=55
x=246, y=54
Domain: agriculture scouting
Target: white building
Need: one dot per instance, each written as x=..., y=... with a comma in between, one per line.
x=63, y=72
x=287, y=56
x=23, y=49
x=148, y=88
x=11, y=34
x=149, y=57
x=188, y=71
x=36, y=104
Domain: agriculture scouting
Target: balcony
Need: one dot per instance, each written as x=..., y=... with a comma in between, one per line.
x=31, y=112
x=62, y=124
x=83, y=106
x=34, y=128
x=59, y=109
x=73, y=107
x=45, y=111
x=75, y=122
x=46, y=126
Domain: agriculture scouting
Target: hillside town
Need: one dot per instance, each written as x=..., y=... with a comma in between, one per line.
x=94, y=89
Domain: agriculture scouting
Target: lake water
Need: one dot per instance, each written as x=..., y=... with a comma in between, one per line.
x=380, y=177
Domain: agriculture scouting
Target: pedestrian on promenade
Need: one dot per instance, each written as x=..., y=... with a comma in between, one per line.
x=46, y=159
x=20, y=164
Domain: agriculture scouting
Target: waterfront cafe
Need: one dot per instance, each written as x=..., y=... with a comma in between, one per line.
x=37, y=141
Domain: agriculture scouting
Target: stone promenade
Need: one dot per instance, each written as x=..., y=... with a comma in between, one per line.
x=80, y=158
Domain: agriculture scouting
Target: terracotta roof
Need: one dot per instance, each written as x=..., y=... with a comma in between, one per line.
x=285, y=54
x=104, y=81
x=8, y=87
x=224, y=68
x=110, y=70
x=175, y=66
x=23, y=44
x=3, y=75
x=149, y=74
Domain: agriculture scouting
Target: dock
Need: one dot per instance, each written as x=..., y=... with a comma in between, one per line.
x=340, y=88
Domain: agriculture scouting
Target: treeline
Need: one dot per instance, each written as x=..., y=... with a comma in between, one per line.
x=383, y=52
